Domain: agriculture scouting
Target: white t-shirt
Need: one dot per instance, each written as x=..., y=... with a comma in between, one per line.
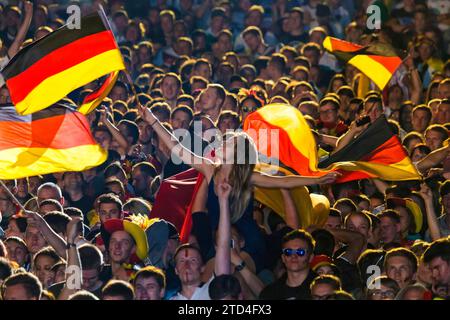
x=201, y=293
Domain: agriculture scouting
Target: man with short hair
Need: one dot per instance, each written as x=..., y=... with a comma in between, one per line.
x=435, y=135
x=118, y=290
x=149, y=284
x=400, y=264
x=143, y=174
x=421, y=118
x=22, y=286
x=171, y=88
x=390, y=226
x=437, y=256
x=49, y=190
x=324, y=286
x=74, y=190
x=210, y=101
x=297, y=254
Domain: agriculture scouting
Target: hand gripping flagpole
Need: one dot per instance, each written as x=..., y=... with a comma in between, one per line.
x=12, y=196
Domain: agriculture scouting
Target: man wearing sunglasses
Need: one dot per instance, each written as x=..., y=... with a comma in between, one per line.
x=296, y=255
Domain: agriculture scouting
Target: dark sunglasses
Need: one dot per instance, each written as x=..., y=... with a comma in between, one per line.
x=289, y=252
x=248, y=109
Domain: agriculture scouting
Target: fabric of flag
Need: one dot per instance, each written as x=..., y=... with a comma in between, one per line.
x=283, y=137
x=93, y=100
x=174, y=197
x=376, y=153
x=378, y=60
x=45, y=71
x=56, y=139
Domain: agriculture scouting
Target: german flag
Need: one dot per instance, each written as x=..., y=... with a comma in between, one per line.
x=376, y=153
x=56, y=139
x=45, y=71
x=378, y=60
x=93, y=100
x=283, y=137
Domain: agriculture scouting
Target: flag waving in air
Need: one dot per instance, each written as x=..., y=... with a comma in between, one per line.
x=56, y=139
x=47, y=70
x=378, y=60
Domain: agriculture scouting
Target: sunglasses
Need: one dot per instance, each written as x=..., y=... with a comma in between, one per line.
x=289, y=252
x=248, y=109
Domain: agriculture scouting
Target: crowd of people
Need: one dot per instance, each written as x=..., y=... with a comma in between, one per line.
x=91, y=235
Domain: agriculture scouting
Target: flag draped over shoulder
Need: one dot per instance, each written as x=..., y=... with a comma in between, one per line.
x=47, y=70
x=93, y=100
x=56, y=139
x=378, y=60
x=376, y=153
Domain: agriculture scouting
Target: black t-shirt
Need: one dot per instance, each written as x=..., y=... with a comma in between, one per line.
x=85, y=204
x=279, y=290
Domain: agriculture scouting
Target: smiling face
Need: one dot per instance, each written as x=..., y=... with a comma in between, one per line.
x=121, y=246
x=189, y=266
x=147, y=288
x=400, y=269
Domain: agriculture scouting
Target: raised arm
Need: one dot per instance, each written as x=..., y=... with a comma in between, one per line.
x=222, y=262
x=290, y=210
x=263, y=180
x=52, y=238
x=416, y=82
x=74, y=278
x=353, y=239
x=432, y=159
x=22, y=32
x=433, y=225
x=352, y=132
x=115, y=132
x=203, y=165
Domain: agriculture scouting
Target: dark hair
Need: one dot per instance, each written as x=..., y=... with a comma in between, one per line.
x=83, y=295
x=152, y=272
x=21, y=221
x=324, y=242
x=333, y=281
x=438, y=128
x=74, y=212
x=361, y=214
x=183, y=108
x=369, y=257
x=346, y=202
x=132, y=129
x=387, y=282
x=119, y=288
x=31, y=283
x=109, y=198
x=53, y=202
x=402, y=252
x=438, y=249
x=422, y=107
x=147, y=168
x=57, y=221
x=5, y=268
x=302, y=235
x=390, y=213
x=225, y=285
x=48, y=252
x=91, y=257
x=334, y=213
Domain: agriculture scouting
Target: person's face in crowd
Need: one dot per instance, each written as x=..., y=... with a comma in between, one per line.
x=420, y=22
x=337, y=83
x=180, y=120
x=317, y=37
x=372, y=109
x=295, y=263
x=440, y=272
x=108, y=211
x=324, y=270
x=328, y=113
x=424, y=273
x=189, y=266
x=333, y=223
x=17, y=292
x=443, y=113
x=420, y=120
x=405, y=220
x=412, y=143
x=13, y=230
x=295, y=20
x=73, y=181
x=121, y=23
x=308, y=109
x=202, y=70
x=417, y=155
x=33, y=184
x=384, y=293
x=34, y=239
x=399, y=269
x=91, y=279
x=247, y=107
x=207, y=100
x=145, y=132
x=118, y=93
x=60, y=274
x=186, y=4
x=12, y=19
x=132, y=34
x=141, y=183
x=43, y=270
x=103, y=139
x=145, y=55
x=433, y=139
x=395, y=97
x=444, y=91
x=4, y=95
x=227, y=123
x=252, y=41
x=48, y=193
x=22, y=188
x=166, y=24
x=17, y=252
x=121, y=246
x=225, y=43
x=229, y=104
x=312, y=56
x=217, y=23
x=321, y=291
x=389, y=229
x=126, y=133
x=147, y=288
x=254, y=18
x=414, y=294
x=359, y=224
x=425, y=51
x=170, y=88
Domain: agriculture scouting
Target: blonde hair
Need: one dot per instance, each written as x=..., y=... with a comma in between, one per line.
x=241, y=173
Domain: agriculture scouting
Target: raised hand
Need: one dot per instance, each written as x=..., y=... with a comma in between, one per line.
x=223, y=190
x=330, y=177
x=73, y=229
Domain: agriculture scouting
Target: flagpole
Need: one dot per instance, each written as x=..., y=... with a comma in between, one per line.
x=12, y=196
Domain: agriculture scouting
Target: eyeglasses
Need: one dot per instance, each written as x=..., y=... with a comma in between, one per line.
x=289, y=252
x=384, y=294
x=248, y=109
